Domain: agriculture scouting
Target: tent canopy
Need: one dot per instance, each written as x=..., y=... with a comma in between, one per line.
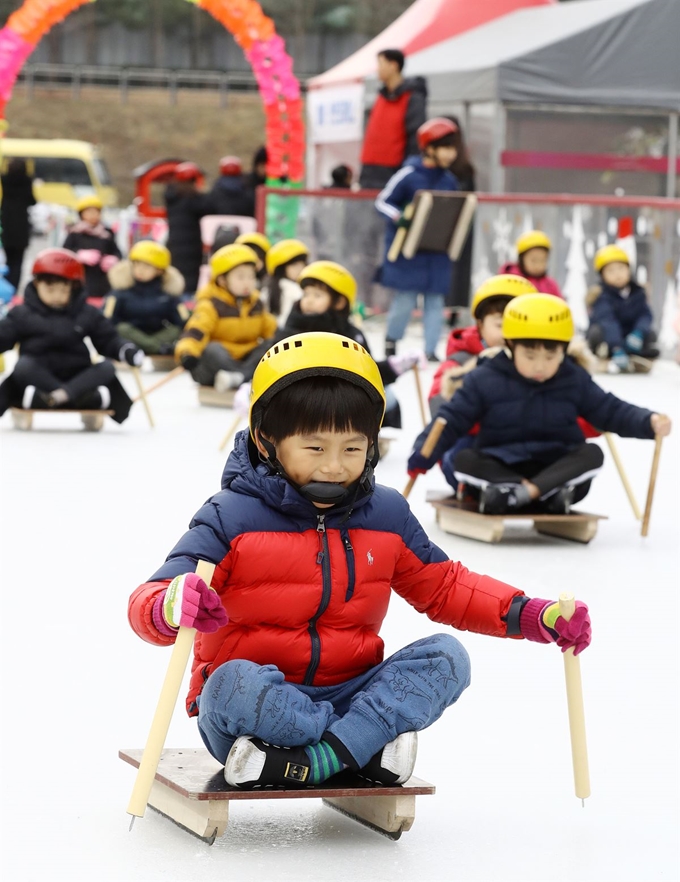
x=594, y=52
x=424, y=23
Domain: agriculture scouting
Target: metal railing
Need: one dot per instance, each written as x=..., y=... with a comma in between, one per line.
x=127, y=79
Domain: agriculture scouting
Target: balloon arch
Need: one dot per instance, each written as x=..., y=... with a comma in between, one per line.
x=251, y=28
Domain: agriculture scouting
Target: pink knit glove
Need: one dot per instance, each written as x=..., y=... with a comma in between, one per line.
x=188, y=601
x=89, y=256
x=108, y=261
x=541, y=622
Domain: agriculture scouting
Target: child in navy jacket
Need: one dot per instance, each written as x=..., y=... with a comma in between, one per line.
x=530, y=448
x=289, y=680
x=426, y=273
x=620, y=317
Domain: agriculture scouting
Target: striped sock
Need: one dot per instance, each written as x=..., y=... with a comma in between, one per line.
x=324, y=762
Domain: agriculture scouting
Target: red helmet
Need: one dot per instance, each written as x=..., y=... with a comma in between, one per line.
x=59, y=262
x=230, y=166
x=187, y=171
x=434, y=129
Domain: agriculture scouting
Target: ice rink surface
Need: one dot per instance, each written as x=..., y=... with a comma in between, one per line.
x=87, y=517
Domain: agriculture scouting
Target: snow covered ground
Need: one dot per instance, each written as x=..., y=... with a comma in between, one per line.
x=85, y=518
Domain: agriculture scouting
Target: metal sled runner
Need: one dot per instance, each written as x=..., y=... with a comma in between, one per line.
x=189, y=788
x=463, y=519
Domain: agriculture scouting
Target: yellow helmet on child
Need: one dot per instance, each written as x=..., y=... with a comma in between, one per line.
x=148, y=251
x=227, y=258
x=502, y=285
x=255, y=238
x=609, y=254
x=313, y=355
x=532, y=239
x=284, y=252
x=91, y=201
x=538, y=317
x=336, y=277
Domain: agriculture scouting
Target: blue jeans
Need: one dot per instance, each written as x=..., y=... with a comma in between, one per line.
x=407, y=692
x=403, y=304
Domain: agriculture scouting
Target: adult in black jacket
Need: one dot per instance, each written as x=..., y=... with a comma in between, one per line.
x=230, y=194
x=17, y=198
x=185, y=207
x=54, y=368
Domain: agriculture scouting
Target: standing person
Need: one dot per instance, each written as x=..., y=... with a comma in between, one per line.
x=229, y=193
x=341, y=178
x=396, y=116
x=95, y=246
x=185, y=206
x=257, y=177
x=17, y=198
x=426, y=273
x=464, y=170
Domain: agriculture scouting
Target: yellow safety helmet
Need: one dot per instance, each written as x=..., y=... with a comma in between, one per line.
x=532, y=239
x=229, y=257
x=503, y=285
x=315, y=354
x=336, y=277
x=148, y=251
x=255, y=238
x=89, y=202
x=610, y=254
x=284, y=252
x=538, y=317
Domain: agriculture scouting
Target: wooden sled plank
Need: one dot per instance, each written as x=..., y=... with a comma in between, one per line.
x=189, y=788
x=210, y=397
x=162, y=363
x=463, y=519
x=93, y=420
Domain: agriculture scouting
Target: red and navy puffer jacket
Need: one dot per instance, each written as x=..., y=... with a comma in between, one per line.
x=307, y=591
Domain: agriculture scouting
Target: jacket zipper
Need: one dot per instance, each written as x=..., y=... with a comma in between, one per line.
x=323, y=559
x=349, y=554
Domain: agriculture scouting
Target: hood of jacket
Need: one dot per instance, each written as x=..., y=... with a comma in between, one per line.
x=121, y=279
x=464, y=340
x=408, y=84
x=330, y=321
x=32, y=300
x=244, y=473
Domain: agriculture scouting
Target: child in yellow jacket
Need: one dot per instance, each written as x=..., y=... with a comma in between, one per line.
x=222, y=342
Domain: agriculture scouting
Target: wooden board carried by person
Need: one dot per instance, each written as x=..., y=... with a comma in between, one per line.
x=93, y=420
x=463, y=519
x=440, y=224
x=189, y=788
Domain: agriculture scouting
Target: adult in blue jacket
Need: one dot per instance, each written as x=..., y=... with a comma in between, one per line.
x=530, y=448
x=426, y=273
x=620, y=317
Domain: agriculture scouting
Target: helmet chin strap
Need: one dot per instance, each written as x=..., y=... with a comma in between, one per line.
x=324, y=492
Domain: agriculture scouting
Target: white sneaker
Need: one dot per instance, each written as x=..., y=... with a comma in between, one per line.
x=394, y=764
x=27, y=400
x=226, y=380
x=105, y=396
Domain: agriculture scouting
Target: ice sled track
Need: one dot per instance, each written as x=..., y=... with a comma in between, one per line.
x=93, y=420
x=463, y=519
x=189, y=788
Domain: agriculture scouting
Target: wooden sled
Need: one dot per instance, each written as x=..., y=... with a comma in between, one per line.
x=189, y=788
x=93, y=420
x=639, y=364
x=210, y=397
x=439, y=223
x=162, y=363
x=463, y=519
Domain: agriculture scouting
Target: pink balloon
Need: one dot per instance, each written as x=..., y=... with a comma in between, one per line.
x=14, y=50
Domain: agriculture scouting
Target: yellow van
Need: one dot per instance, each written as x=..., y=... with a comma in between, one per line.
x=64, y=170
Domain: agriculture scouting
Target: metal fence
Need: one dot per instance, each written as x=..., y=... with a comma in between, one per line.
x=127, y=80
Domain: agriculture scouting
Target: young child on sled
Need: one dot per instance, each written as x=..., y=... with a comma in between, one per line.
x=54, y=368
x=530, y=449
x=533, y=255
x=221, y=343
x=289, y=683
x=144, y=303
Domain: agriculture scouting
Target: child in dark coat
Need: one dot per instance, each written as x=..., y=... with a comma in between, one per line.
x=620, y=317
x=54, y=368
x=530, y=448
x=145, y=306
x=289, y=682
x=95, y=247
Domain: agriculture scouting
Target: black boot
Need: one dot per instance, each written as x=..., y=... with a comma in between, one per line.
x=390, y=347
x=496, y=499
x=560, y=502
